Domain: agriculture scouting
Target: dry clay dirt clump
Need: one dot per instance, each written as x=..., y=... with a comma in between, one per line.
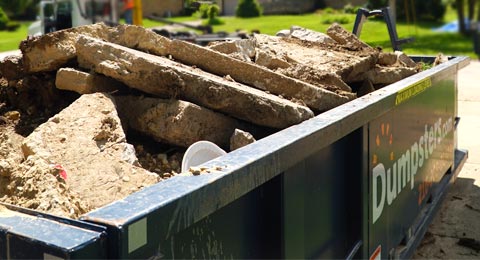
x=92, y=114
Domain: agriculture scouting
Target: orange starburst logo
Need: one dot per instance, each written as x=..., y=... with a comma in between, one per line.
x=385, y=137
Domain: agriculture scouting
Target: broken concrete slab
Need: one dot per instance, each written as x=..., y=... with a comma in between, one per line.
x=405, y=60
x=244, y=48
x=316, y=98
x=87, y=140
x=165, y=78
x=388, y=75
x=10, y=151
x=387, y=58
x=51, y=51
x=137, y=37
x=11, y=67
x=240, y=139
x=176, y=122
x=263, y=58
x=316, y=77
x=38, y=184
x=346, y=64
x=85, y=83
x=307, y=35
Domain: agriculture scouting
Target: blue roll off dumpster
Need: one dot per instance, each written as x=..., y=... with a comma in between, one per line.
x=362, y=180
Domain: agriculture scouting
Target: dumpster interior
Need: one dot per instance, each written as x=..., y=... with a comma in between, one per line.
x=92, y=114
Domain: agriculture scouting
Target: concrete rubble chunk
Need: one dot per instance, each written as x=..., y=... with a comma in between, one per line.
x=388, y=75
x=11, y=67
x=346, y=64
x=316, y=77
x=403, y=59
x=310, y=36
x=165, y=78
x=244, y=48
x=240, y=139
x=272, y=62
x=283, y=33
x=176, y=122
x=83, y=82
x=387, y=58
x=346, y=38
x=439, y=59
x=51, y=51
x=10, y=151
x=87, y=141
x=139, y=38
x=37, y=184
x=251, y=74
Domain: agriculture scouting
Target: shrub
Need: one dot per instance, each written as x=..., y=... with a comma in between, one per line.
x=329, y=10
x=202, y=12
x=12, y=26
x=248, y=8
x=212, y=13
x=3, y=20
x=341, y=19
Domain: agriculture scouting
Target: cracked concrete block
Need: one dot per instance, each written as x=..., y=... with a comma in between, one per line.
x=403, y=59
x=387, y=58
x=11, y=67
x=137, y=37
x=240, y=139
x=346, y=38
x=325, y=58
x=244, y=48
x=165, y=78
x=83, y=82
x=272, y=62
x=389, y=75
x=176, y=122
x=87, y=140
x=310, y=36
x=51, y=51
x=316, y=77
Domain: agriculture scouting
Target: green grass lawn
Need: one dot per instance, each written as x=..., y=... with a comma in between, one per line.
x=10, y=40
x=374, y=32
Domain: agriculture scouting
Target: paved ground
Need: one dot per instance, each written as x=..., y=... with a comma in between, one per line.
x=459, y=216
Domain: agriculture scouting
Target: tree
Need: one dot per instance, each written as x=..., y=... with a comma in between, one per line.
x=248, y=8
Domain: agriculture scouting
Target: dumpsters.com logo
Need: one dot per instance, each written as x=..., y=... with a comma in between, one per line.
x=389, y=180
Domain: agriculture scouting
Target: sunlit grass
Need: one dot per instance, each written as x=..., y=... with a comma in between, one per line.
x=11, y=40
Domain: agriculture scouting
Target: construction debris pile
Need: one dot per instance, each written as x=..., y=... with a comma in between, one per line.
x=94, y=113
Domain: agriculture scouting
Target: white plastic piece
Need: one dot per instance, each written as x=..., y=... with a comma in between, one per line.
x=200, y=152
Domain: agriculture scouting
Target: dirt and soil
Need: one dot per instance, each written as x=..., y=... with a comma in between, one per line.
x=67, y=153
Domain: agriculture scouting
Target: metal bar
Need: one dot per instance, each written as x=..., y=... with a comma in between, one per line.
x=354, y=250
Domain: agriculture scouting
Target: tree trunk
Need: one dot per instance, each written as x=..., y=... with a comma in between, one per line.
x=471, y=9
x=478, y=11
x=461, y=16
